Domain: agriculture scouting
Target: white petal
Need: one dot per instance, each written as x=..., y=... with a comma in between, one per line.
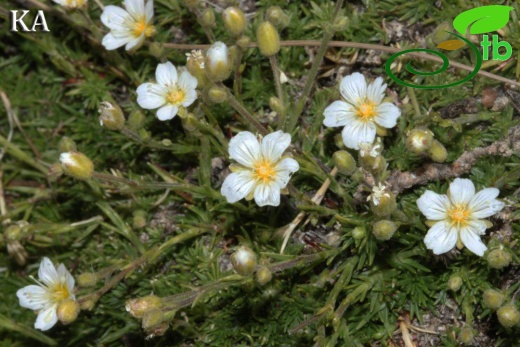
x=46, y=318
x=357, y=132
x=47, y=272
x=166, y=74
x=274, y=144
x=354, y=88
x=189, y=98
x=135, y=43
x=149, y=11
x=461, y=191
x=32, y=297
x=113, y=17
x=339, y=113
x=477, y=226
x=440, y=238
x=135, y=8
x=387, y=115
x=187, y=81
x=267, y=194
x=469, y=236
x=284, y=170
x=167, y=112
x=65, y=277
x=376, y=91
x=151, y=95
x=433, y=206
x=244, y=148
x=484, y=203
x=238, y=185
x=111, y=42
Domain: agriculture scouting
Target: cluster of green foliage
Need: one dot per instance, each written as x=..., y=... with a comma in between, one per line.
x=55, y=82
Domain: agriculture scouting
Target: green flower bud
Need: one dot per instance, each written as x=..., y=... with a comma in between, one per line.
x=191, y=4
x=438, y=152
x=243, y=260
x=493, y=299
x=419, y=141
x=263, y=275
x=208, y=18
x=499, y=258
x=455, y=282
x=68, y=311
x=466, y=335
x=508, y=315
x=382, y=201
x=152, y=319
x=345, y=162
x=136, y=120
x=87, y=305
x=243, y=42
x=66, y=144
x=276, y=104
x=217, y=65
x=384, y=230
x=139, y=220
x=87, y=279
x=140, y=306
x=338, y=141
x=277, y=17
x=268, y=39
x=340, y=23
x=190, y=124
x=358, y=233
x=234, y=20
x=157, y=49
x=76, y=165
x=195, y=65
x=111, y=116
x=217, y=94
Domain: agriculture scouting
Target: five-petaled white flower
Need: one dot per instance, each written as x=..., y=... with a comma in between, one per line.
x=458, y=216
x=169, y=93
x=361, y=111
x=71, y=3
x=55, y=286
x=128, y=27
x=262, y=172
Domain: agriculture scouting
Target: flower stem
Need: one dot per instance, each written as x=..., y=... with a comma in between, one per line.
x=278, y=84
x=237, y=81
x=239, y=107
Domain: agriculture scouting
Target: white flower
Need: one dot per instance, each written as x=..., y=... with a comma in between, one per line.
x=368, y=149
x=54, y=287
x=458, y=216
x=71, y=3
x=361, y=111
x=262, y=171
x=169, y=93
x=128, y=27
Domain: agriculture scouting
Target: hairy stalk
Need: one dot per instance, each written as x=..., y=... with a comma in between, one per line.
x=237, y=80
x=132, y=135
x=207, y=30
x=278, y=84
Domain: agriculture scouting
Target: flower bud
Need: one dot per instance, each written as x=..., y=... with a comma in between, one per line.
x=190, y=124
x=156, y=49
x=13, y=233
x=340, y=23
x=338, y=141
x=111, y=116
x=493, y=299
x=419, y=141
x=243, y=260
x=384, y=230
x=87, y=279
x=466, y=335
x=66, y=144
x=382, y=201
x=76, y=165
x=140, y=306
x=207, y=18
x=499, y=258
x=234, y=20
x=136, y=120
x=345, y=162
x=68, y=311
x=191, y=4
x=455, y=282
x=152, y=319
x=87, y=305
x=358, y=233
x=195, y=66
x=268, y=39
x=277, y=17
x=243, y=42
x=55, y=171
x=217, y=94
x=263, y=275
x=217, y=63
x=139, y=220
x=508, y=315
x=438, y=152
x=276, y=105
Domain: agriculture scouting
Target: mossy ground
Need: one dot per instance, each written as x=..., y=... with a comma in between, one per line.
x=55, y=82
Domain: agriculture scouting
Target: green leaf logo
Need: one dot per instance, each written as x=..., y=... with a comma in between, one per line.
x=482, y=19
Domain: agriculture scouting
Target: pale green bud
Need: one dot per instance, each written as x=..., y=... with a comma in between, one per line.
x=263, y=275
x=438, y=152
x=276, y=105
x=136, y=120
x=208, y=18
x=499, y=258
x=68, y=311
x=76, y=165
x=493, y=299
x=111, y=116
x=66, y=144
x=217, y=65
x=358, y=233
x=466, y=335
x=384, y=230
x=139, y=220
x=140, y=306
x=152, y=319
x=234, y=20
x=268, y=39
x=345, y=162
x=419, y=141
x=455, y=282
x=243, y=260
x=87, y=279
x=277, y=16
x=217, y=94
x=508, y=315
x=243, y=42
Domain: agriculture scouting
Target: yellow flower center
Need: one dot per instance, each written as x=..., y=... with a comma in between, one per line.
x=366, y=111
x=459, y=215
x=264, y=171
x=140, y=26
x=59, y=292
x=176, y=96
